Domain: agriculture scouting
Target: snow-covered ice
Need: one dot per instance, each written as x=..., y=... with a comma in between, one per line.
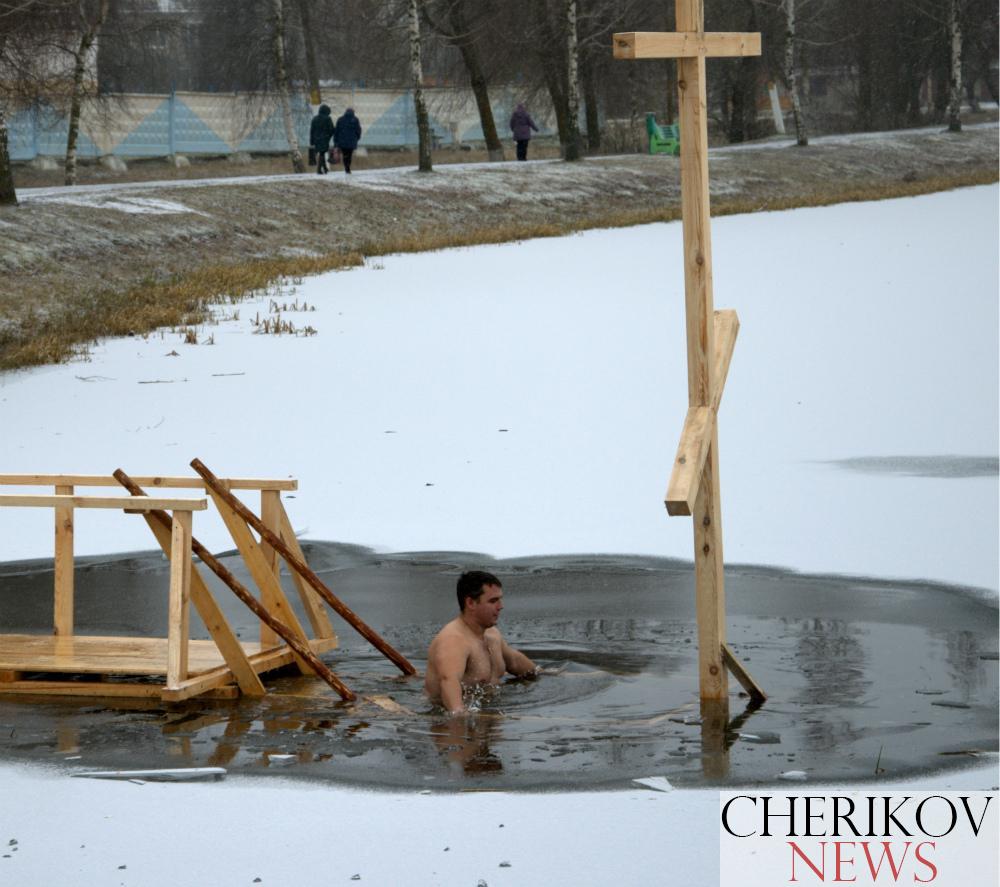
x=527, y=399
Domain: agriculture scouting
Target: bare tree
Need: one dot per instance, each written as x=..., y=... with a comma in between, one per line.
x=309, y=45
x=792, y=73
x=417, y=77
x=89, y=19
x=955, y=84
x=574, y=150
x=281, y=81
x=8, y=195
x=461, y=33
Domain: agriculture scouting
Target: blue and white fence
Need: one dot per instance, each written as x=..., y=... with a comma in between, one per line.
x=210, y=123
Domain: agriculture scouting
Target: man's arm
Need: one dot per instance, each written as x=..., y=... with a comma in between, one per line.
x=517, y=663
x=450, y=658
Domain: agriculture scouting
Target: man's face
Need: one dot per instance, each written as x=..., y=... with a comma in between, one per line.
x=486, y=610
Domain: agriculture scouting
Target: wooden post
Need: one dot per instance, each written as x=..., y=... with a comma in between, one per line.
x=62, y=622
x=694, y=483
x=178, y=611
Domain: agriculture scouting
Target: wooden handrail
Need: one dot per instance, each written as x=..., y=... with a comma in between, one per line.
x=123, y=502
x=158, y=481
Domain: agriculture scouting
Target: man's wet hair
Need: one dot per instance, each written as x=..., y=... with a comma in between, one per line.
x=472, y=583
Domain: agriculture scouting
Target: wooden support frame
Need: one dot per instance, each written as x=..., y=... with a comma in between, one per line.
x=218, y=491
x=189, y=668
x=215, y=622
x=272, y=595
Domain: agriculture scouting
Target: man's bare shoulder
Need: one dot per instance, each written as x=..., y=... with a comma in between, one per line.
x=451, y=635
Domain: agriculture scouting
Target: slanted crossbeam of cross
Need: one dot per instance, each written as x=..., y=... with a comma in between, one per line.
x=711, y=335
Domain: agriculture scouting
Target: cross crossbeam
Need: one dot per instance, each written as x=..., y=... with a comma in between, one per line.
x=679, y=45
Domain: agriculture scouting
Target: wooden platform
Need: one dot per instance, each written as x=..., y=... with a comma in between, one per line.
x=24, y=654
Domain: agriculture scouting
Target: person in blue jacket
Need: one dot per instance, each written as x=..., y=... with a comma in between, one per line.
x=346, y=135
x=320, y=133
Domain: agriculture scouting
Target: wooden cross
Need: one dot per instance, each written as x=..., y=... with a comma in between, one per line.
x=711, y=335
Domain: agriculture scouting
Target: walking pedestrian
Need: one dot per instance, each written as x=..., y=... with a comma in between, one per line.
x=346, y=135
x=320, y=133
x=521, y=125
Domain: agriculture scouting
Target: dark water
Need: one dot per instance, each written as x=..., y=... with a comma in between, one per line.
x=924, y=466
x=858, y=672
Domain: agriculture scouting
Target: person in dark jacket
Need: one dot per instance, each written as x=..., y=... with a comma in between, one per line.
x=521, y=125
x=346, y=135
x=320, y=133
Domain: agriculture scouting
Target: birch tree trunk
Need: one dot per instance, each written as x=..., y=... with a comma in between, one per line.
x=8, y=196
x=417, y=76
x=281, y=81
x=955, y=85
x=574, y=149
x=792, y=75
x=90, y=29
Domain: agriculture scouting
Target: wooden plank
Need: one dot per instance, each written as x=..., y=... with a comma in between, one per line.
x=211, y=680
x=91, y=654
x=727, y=326
x=689, y=462
x=318, y=618
x=683, y=44
x=270, y=502
x=8, y=675
x=102, y=480
x=178, y=611
x=261, y=573
x=215, y=621
x=742, y=675
x=62, y=617
x=692, y=450
x=82, y=688
x=124, y=502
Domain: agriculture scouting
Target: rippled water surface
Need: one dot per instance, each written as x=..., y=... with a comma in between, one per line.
x=857, y=673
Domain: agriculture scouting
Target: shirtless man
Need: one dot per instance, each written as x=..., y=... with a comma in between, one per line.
x=469, y=650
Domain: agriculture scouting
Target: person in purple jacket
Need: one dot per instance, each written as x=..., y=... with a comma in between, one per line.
x=521, y=125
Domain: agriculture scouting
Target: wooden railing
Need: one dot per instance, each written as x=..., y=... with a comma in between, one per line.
x=177, y=544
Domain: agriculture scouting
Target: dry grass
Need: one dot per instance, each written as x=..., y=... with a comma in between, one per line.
x=81, y=317
x=182, y=301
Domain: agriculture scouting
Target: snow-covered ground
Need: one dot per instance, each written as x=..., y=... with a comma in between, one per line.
x=527, y=399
